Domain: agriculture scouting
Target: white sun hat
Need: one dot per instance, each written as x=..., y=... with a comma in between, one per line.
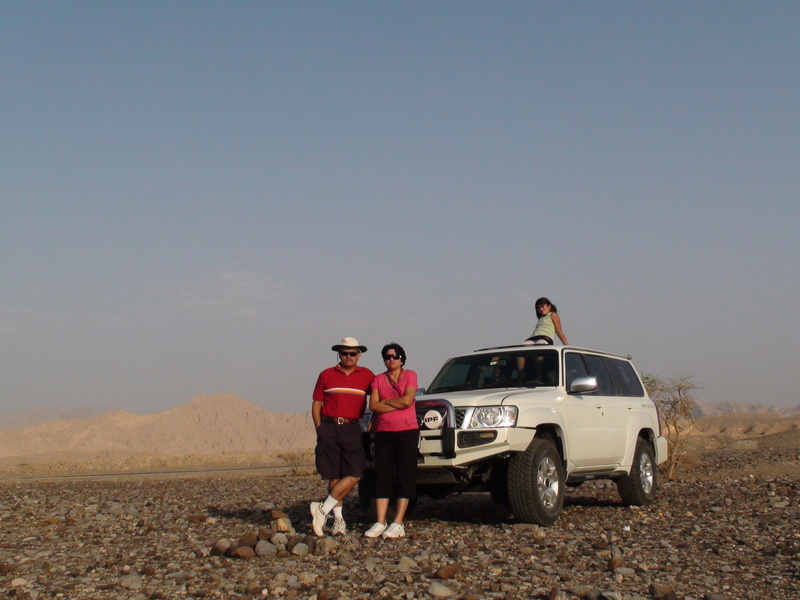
x=348, y=342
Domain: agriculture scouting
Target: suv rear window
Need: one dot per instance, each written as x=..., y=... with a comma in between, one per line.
x=615, y=376
x=626, y=376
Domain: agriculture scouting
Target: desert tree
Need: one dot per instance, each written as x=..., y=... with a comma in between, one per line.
x=675, y=400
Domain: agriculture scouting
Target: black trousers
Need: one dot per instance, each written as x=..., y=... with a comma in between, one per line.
x=396, y=463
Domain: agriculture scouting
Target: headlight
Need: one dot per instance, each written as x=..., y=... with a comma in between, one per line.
x=485, y=417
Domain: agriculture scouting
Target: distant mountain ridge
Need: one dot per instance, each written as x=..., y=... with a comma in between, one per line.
x=36, y=416
x=717, y=409
x=226, y=424
x=208, y=425
x=30, y=417
x=740, y=425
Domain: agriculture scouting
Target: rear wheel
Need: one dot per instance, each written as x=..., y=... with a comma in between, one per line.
x=639, y=486
x=536, y=481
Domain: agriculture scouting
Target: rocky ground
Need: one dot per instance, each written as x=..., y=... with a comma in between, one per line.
x=727, y=529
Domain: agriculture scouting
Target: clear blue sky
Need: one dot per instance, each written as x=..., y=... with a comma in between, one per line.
x=203, y=197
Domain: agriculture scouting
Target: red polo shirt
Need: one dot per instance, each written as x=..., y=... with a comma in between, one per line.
x=343, y=395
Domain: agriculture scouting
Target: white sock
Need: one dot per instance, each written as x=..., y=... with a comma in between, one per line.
x=337, y=512
x=329, y=504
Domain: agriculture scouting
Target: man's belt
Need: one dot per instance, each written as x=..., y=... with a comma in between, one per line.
x=339, y=420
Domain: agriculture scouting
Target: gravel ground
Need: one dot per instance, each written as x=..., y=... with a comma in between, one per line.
x=726, y=530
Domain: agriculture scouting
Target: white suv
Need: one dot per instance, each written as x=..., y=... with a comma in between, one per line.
x=523, y=422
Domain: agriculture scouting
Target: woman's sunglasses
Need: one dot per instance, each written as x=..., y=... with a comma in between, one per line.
x=392, y=357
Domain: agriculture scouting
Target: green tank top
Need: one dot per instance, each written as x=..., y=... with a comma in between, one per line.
x=545, y=326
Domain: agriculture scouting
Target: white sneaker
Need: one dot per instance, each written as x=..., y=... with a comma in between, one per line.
x=395, y=530
x=339, y=527
x=375, y=531
x=318, y=518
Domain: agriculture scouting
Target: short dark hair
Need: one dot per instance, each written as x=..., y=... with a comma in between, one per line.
x=398, y=349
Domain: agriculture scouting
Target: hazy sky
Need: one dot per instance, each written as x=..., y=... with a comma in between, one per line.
x=203, y=197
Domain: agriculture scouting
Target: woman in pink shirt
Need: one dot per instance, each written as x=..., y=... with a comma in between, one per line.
x=394, y=421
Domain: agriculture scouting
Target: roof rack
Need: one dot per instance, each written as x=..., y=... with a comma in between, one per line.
x=541, y=346
x=503, y=347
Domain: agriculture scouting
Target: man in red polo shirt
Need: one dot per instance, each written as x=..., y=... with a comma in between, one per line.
x=340, y=397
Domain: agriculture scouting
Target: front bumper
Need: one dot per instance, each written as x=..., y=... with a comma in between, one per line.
x=434, y=445
x=662, y=449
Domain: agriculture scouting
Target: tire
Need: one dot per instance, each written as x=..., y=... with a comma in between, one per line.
x=536, y=483
x=366, y=499
x=639, y=486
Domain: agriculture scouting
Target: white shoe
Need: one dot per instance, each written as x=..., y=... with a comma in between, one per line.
x=395, y=530
x=339, y=527
x=318, y=518
x=375, y=531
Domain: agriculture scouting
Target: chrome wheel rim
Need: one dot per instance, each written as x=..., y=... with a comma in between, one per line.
x=547, y=484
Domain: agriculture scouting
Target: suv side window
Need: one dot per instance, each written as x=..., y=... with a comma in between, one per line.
x=626, y=376
x=574, y=366
x=606, y=386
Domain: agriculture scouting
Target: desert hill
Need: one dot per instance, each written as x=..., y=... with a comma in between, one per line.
x=716, y=409
x=207, y=425
x=737, y=426
x=35, y=416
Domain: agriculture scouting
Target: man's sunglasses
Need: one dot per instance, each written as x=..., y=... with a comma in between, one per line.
x=392, y=357
x=343, y=353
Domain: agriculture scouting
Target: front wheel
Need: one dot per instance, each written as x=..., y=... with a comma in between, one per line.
x=639, y=486
x=536, y=481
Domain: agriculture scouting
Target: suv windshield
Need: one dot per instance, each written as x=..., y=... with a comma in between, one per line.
x=517, y=368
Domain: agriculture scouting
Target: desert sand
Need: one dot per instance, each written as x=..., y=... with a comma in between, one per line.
x=145, y=522
x=215, y=431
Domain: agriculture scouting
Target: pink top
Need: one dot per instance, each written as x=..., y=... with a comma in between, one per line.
x=395, y=420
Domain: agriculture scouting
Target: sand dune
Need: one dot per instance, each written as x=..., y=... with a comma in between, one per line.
x=207, y=425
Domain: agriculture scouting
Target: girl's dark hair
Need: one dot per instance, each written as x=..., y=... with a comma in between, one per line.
x=398, y=349
x=544, y=300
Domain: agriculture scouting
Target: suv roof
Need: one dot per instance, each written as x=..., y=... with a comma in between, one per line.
x=542, y=346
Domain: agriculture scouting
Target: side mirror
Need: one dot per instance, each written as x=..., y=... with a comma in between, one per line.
x=420, y=391
x=583, y=385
